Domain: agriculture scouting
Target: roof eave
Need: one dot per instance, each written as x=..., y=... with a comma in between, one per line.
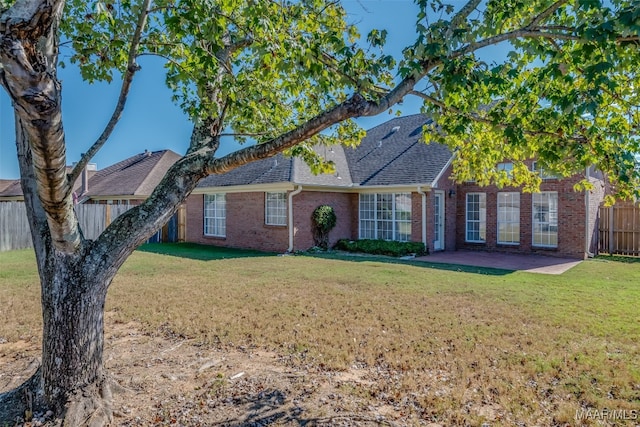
x=442, y=171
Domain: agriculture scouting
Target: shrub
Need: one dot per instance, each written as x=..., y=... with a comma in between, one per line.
x=323, y=219
x=381, y=247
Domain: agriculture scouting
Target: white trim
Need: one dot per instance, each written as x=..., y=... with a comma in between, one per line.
x=266, y=208
x=441, y=214
x=214, y=218
x=466, y=220
x=446, y=166
x=587, y=207
x=533, y=222
x=498, y=241
x=251, y=188
x=290, y=216
x=393, y=221
x=290, y=186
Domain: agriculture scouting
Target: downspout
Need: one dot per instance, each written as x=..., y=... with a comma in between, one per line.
x=587, y=218
x=290, y=215
x=424, y=217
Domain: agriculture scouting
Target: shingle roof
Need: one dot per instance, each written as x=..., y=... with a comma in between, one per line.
x=10, y=188
x=280, y=168
x=394, y=153
x=265, y=171
x=136, y=176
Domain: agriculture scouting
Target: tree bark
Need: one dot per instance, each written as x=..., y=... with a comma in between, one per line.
x=73, y=378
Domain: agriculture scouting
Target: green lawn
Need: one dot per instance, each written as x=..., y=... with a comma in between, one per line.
x=536, y=347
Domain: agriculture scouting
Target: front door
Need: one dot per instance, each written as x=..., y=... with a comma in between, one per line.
x=438, y=238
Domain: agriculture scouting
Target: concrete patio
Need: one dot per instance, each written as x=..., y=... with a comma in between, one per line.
x=529, y=263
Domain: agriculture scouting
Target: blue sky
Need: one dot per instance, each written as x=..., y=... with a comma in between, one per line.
x=152, y=122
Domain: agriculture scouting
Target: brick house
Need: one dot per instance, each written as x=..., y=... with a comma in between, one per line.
x=394, y=187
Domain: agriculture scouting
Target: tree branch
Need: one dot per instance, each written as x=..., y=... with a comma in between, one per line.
x=546, y=13
x=28, y=53
x=477, y=118
x=355, y=106
x=132, y=68
x=460, y=17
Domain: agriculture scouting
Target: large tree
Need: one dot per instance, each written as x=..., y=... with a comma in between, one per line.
x=288, y=74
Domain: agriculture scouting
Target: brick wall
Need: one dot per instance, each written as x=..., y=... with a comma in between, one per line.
x=416, y=218
x=571, y=219
x=306, y=202
x=245, y=226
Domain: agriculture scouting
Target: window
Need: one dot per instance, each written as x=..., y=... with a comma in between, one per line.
x=507, y=167
x=542, y=172
x=476, y=217
x=385, y=216
x=509, y=218
x=275, y=209
x=215, y=215
x=545, y=219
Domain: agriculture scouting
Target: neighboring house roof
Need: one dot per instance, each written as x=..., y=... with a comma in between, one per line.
x=392, y=153
x=10, y=188
x=136, y=176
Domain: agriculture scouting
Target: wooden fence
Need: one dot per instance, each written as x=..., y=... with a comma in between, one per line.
x=619, y=230
x=93, y=219
x=14, y=227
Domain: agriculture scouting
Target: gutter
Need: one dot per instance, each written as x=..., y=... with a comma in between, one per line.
x=424, y=216
x=290, y=216
x=587, y=217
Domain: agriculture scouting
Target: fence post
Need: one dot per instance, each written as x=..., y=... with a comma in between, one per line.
x=107, y=215
x=611, y=234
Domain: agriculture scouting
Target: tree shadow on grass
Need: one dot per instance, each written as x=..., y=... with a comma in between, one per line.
x=200, y=252
x=422, y=264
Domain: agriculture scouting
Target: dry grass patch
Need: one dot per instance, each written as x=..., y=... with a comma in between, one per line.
x=452, y=347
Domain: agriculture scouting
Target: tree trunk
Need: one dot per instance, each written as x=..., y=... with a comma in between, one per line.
x=73, y=379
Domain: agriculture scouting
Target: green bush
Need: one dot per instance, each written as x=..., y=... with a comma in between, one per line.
x=324, y=219
x=381, y=247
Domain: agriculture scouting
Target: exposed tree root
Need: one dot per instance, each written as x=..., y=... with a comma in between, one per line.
x=88, y=407
x=19, y=404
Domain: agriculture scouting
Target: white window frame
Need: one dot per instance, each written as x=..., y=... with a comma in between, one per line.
x=548, y=221
x=481, y=221
x=385, y=216
x=544, y=175
x=507, y=167
x=510, y=219
x=215, y=215
x=275, y=208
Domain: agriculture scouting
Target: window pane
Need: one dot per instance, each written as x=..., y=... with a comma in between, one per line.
x=276, y=208
x=545, y=219
x=215, y=215
x=476, y=215
x=509, y=218
x=385, y=216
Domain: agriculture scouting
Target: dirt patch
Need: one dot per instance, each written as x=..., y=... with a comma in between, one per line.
x=169, y=380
